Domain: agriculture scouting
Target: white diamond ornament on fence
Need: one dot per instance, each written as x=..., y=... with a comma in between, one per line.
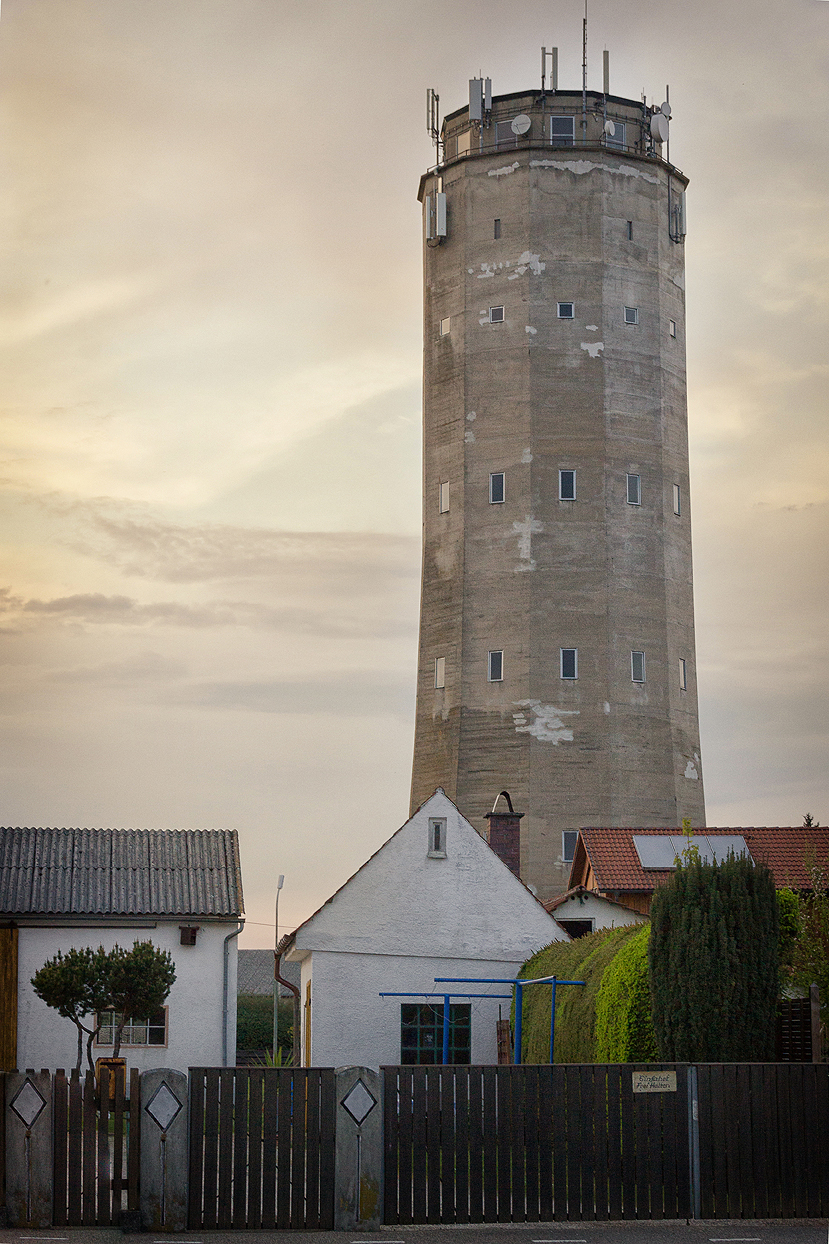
x=163, y=1106
x=359, y=1102
x=28, y=1104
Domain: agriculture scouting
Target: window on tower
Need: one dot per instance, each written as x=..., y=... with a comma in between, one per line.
x=440, y=673
x=445, y=326
x=569, y=838
x=569, y=662
x=496, y=315
x=631, y=315
x=566, y=310
x=496, y=666
x=637, y=667
x=683, y=674
x=671, y=328
x=496, y=231
x=496, y=488
x=677, y=500
x=562, y=131
x=634, y=490
x=443, y=497
x=619, y=136
x=630, y=230
x=567, y=485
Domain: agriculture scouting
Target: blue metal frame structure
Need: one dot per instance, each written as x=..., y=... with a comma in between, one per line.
x=518, y=984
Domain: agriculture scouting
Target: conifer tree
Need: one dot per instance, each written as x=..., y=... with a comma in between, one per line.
x=713, y=957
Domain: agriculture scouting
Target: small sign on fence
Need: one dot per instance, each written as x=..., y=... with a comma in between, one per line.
x=654, y=1081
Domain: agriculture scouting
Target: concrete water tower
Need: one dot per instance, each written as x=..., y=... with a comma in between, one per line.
x=557, y=622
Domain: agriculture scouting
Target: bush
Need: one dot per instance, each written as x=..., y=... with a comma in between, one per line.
x=584, y=959
x=624, y=1027
x=254, y=1022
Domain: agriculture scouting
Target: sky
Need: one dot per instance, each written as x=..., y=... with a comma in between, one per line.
x=210, y=402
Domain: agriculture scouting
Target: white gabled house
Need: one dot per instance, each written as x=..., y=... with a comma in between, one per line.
x=64, y=888
x=435, y=900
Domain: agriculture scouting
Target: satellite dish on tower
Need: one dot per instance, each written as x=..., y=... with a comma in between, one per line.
x=659, y=128
x=609, y=128
x=665, y=109
x=520, y=124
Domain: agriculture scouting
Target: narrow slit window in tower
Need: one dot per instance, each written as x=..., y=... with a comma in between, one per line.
x=634, y=489
x=671, y=328
x=440, y=673
x=496, y=488
x=567, y=485
x=637, y=667
x=445, y=326
x=677, y=500
x=569, y=838
x=496, y=315
x=683, y=674
x=443, y=497
x=496, y=666
x=630, y=230
x=569, y=662
x=496, y=231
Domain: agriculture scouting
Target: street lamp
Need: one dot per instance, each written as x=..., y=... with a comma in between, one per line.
x=279, y=884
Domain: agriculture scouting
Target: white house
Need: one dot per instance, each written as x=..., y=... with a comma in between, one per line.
x=180, y=889
x=581, y=911
x=435, y=900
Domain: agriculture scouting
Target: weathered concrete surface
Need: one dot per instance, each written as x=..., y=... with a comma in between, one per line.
x=28, y=1149
x=530, y=396
x=164, y=1150
x=358, y=1163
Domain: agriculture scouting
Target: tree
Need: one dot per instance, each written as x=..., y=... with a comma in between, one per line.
x=809, y=822
x=713, y=958
x=87, y=982
x=809, y=951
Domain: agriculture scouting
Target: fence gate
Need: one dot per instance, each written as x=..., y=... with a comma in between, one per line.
x=533, y=1143
x=261, y=1148
x=96, y=1153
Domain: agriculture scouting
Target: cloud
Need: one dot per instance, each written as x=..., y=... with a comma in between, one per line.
x=357, y=693
x=143, y=667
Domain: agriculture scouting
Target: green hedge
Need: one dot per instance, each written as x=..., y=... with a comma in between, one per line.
x=624, y=1027
x=587, y=959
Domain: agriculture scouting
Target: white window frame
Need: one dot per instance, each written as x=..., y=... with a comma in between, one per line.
x=440, y=673
x=130, y=1030
x=499, y=654
x=683, y=674
x=496, y=315
x=568, y=677
x=677, y=499
x=633, y=666
x=436, y=842
x=565, y=858
x=562, y=314
x=672, y=328
x=562, y=472
x=636, y=490
x=492, y=498
x=446, y=326
x=631, y=316
x=443, y=497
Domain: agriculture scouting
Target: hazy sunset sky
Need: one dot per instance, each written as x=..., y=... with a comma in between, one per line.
x=211, y=359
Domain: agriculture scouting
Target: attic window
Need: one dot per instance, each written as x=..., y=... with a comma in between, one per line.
x=437, y=838
x=188, y=934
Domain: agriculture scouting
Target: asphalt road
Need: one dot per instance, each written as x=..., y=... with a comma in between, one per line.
x=814, y=1231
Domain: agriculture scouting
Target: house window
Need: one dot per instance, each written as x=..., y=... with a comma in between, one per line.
x=437, y=837
x=672, y=328
x=569, y=838
x=421, y=1032
x=562, y=131
x=631, y=315
x=149, y=1031
x=443, y=497
x=683, y=674
x=188, y=934
x=569, y=662
x=677, y=500
x=630, y=230
x=496, y=315
x=566, y=310
x=496, y=230
x=634, y=490
x=496, y=488
x=637, y=667
x=567, y=485
x=496, y=666
x=440, y=672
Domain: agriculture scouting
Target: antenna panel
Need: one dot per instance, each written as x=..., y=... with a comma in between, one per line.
x=659, y=128
x=476, y=99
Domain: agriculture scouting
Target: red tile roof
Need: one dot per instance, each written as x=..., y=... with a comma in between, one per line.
x=616, y=867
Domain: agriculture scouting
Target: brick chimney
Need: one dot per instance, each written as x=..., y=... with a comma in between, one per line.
x=505, y=834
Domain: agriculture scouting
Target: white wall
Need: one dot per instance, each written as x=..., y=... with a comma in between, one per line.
x=194, y=1022
x=604, y=913
x=405, y=918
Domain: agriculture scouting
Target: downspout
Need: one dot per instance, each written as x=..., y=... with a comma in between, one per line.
x=225, y=974
x=277, y=961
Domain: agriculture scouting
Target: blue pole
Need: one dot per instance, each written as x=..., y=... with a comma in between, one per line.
x=553, y=1021
x=445, y=1058
x=519, y=1007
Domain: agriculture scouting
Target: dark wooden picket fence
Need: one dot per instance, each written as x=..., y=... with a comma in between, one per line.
x=261, y=1148
x=526, y=1144
x=96, y=1152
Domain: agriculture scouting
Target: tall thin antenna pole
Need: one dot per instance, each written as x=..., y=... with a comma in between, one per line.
x=584, y=77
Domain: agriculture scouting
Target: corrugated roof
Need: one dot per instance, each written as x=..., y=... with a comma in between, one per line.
x=616, y=866
x=120, y=872
x=254, y=973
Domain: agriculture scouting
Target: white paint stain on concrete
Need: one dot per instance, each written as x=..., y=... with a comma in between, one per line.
x=543, y=721
x=469, y=436
x=591, y=328
x=503, y=172
x=592, y=348
x=531, y=331
x=580, y=167
x=525, y=532
x=527, y=455
x=472, y=416
x=527, y=261
x=606, y=707
x=691, y=770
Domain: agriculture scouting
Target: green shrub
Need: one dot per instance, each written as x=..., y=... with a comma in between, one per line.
x=254, y=1022
x=585, y=959
x=624, y=1027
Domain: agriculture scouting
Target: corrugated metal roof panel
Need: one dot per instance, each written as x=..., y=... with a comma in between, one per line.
x=123, y=872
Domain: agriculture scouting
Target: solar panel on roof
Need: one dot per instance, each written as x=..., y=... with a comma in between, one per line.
x=655, y=850
x=723, y=844
x=661, y=850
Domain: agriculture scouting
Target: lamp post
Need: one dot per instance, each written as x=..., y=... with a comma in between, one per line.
x=279, y=884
